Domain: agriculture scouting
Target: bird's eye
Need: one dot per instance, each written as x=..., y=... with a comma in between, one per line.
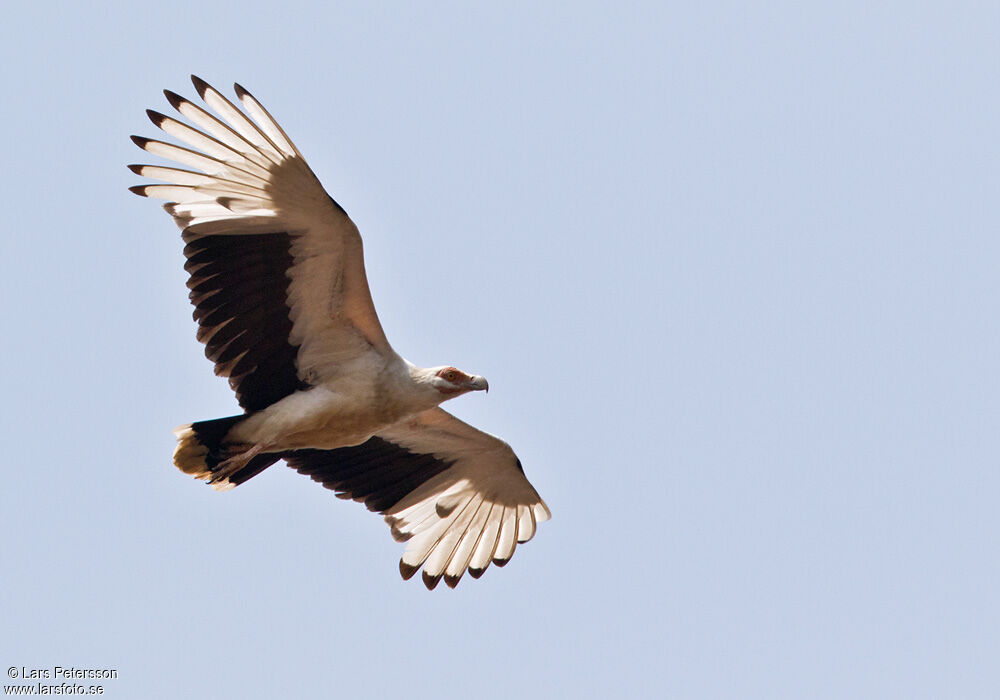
x=449, y=374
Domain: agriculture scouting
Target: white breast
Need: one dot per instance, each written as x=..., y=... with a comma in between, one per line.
x=346, y=409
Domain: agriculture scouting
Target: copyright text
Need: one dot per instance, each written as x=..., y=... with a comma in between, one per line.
x=63, y=677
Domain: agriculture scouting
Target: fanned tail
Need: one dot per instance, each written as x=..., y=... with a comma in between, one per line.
x=202, y=451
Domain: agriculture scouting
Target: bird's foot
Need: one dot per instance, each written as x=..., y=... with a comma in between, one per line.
x=230, y=466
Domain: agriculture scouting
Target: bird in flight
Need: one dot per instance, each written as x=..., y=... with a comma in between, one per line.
x=277, y=279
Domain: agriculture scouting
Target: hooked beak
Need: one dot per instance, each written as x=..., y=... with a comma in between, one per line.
x=477, y=383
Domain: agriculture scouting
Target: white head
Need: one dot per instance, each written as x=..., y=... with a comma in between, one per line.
x=448, y=382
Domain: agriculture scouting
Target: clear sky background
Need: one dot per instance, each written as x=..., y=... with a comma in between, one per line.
x=730, y=269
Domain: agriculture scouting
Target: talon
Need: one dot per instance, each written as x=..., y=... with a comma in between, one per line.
x=227, y=468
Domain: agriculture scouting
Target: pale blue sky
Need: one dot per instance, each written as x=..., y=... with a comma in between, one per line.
x=731, y=272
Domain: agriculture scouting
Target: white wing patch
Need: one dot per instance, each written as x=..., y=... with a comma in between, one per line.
x=470, y=515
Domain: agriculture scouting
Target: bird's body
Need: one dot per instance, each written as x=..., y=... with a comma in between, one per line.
x=344, y=410
x=278, y=282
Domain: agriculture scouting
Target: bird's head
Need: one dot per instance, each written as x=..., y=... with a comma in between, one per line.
x=451, y=382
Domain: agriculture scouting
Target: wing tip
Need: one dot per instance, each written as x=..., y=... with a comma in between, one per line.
x=407, y=570
x=200, y=85
x=156, y=117
x=140, y=141
x=399, y=535
x=476, y=573
x=139, y=190
x=430, y=581
x=174, y=99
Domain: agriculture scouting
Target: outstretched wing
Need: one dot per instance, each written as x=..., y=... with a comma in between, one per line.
x=277, y=273
x=456, y=495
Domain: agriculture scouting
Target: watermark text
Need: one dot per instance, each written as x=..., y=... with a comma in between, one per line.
x=57, y=680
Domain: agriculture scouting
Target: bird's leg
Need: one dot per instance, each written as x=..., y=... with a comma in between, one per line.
x=227, y=468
